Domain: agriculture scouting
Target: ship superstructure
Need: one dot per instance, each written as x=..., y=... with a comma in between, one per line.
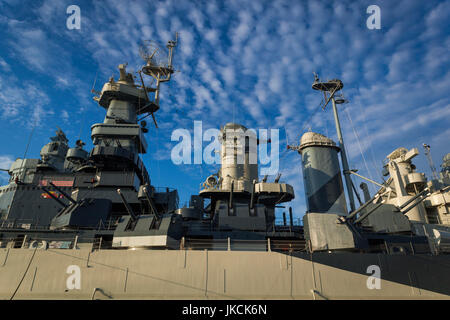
x=99, y=212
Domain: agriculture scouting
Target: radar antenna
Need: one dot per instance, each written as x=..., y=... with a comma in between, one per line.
x=330, y=91
x=158, y=65
x=430, y=161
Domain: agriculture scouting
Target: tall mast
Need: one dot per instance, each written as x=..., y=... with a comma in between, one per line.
x=331, y=87
x=430, y=161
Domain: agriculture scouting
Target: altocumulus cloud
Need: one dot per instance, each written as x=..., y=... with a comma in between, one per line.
x=249, y=62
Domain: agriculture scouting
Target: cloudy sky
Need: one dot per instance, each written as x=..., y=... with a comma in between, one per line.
x=250, y=62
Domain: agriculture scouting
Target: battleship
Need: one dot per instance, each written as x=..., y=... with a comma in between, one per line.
x=79, y=224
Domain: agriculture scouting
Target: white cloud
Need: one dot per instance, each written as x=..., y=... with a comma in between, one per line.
x=4, y=65
x=65, y=115
x=252, y=62
x=15, y=105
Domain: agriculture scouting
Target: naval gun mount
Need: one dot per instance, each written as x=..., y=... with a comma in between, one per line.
x=67, y=182
x=401, y=218
x=113, y=163
x=240, y=206
x=381, y=223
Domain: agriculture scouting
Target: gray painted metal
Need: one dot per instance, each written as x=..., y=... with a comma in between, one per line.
x=205, y=274
x=322, y=175
x=235, y=232
x=345, y=167
x=324, y=232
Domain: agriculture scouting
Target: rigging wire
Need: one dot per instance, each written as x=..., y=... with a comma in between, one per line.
x=82, y=123
x=26, y=149
x=306, y=123
x=359, y=145
x=95, y=81
x=374, y=164
x=84, y=109
x=29, y=140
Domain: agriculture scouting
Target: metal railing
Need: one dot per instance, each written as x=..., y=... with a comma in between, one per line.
x=245, y=245
x=99, y=243
x=207, y=227
x=28, y=224
x=31, y=242
x=280, y=222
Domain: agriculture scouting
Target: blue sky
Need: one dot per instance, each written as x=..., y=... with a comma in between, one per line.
x=245, y=61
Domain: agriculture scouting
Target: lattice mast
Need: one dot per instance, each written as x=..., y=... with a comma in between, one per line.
x=158, y=66
x=430, y=161
x=330, y=91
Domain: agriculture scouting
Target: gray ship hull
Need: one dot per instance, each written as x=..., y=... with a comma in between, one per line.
x=209, y=274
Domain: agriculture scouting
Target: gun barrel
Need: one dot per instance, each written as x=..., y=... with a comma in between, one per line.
x=54, y=198
x=127, y=206
x=63, y=193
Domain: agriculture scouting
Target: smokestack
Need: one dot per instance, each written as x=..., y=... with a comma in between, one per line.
x=238, y=157
x=322, y=174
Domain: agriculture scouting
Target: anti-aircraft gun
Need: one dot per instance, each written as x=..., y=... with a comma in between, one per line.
x=394, y=220
x=114, y=176
x=155, y=224
x=240, y=207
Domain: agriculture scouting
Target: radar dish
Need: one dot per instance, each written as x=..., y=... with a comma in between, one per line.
x=154, y=54
x=158, y=65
